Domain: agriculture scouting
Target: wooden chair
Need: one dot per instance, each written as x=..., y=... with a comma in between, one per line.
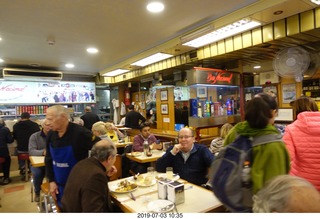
x=118, y=165
x=50, y=205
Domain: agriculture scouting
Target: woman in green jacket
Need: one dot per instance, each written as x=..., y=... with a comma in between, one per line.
x=270, y=159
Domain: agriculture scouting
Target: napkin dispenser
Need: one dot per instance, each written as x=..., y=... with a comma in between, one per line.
x=162, y=188
x=175, y=192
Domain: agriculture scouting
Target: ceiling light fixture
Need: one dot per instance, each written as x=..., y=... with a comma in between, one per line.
x=155, y=6
x=222, y=33
x=316, y=1
x=1, y=60
x=152, y=59
x=115, y=72
x=257, y=67
x=92, y=50
x=69, y=65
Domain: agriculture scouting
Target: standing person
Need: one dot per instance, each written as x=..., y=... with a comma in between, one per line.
x=91, y=193
x=189, y=159
x=138, y=140
x=302, y=138
x=133, y=118
x=270, y=159
x=89, y=118
x=37, y=147
x=5, y=138
x=22, y=131
x=67, y=143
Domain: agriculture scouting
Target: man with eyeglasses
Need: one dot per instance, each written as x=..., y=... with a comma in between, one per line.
x=189, y=159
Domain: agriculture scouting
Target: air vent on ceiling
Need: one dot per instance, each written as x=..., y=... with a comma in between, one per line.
x=30, y=75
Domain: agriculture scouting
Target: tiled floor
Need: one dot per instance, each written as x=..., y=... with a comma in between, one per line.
x=16, y=196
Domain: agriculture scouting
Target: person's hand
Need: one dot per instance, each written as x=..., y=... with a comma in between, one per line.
x=53, y=189
x=176, y=148
x=112, y=171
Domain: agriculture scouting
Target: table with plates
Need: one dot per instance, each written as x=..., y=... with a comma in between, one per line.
x=122, y=144
x=142, y=158
x=197, y=199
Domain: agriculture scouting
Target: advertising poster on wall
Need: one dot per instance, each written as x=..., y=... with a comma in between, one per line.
x=18, y=92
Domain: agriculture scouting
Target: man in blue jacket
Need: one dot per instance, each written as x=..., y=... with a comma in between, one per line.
x=189, y=159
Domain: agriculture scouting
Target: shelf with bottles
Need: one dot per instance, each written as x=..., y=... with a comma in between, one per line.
x=311, y=88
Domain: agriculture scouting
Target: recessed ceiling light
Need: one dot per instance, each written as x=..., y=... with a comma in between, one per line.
x=69, y=65
x=316, y=1
x=1, y=60
x=257, y=67
x=155, y=6
x=92, y=50
x=278, y=12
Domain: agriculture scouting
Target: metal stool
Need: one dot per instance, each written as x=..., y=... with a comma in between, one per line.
x=25, y=157
x=49, y=204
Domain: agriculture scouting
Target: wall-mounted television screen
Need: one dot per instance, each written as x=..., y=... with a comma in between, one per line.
x=17, y=92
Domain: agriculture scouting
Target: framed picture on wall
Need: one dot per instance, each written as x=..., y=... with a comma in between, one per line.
x=201, y=92
x=272, y=90
x=288, y=93
x=164, y=109
x=164, y=95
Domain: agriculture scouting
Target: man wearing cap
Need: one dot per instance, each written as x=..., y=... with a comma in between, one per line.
x=22, y=131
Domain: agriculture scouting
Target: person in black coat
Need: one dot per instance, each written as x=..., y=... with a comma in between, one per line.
x=89, y=118
x=133, y=118
x=22, y=131
x=5, y=138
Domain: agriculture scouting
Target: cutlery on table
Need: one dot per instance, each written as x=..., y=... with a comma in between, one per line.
x=132, y=196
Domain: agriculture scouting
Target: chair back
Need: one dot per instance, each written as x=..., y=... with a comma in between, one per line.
x=118, y=165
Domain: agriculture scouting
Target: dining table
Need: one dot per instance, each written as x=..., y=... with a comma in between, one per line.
x=140, y=157
x=197, y=199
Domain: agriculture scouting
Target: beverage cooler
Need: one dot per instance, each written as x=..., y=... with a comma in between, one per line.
x=214, y=97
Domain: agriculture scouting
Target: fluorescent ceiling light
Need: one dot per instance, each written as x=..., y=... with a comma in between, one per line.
x=69, y=65
x=115, y=72
x=222, y=33
x=1, y=60
x=257, y=66
x=316, y=1
x=92, y=50
x=155, y=7
x=152, y=59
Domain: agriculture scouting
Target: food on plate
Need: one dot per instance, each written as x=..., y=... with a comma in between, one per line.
x=125, y=186
x=144, y=180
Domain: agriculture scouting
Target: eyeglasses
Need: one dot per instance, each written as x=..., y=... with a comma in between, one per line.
x=185, y=137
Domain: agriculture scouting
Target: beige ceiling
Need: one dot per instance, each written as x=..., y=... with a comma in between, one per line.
x=122, y=30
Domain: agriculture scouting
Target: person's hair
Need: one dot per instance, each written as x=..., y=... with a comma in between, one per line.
x=276, y=194
x=2, y=122
x=25, y=115
x=225, y=130
x=103, y=149
x=190, y=129
x=143, y=125
x=258, y=111
x=130, y=107
x=88, y=109
x=303, y=104
x=60, y=110
x=108, y=125
x=100, y=127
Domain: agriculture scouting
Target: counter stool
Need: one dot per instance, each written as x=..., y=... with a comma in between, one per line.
x=25, y=157
x=49, y=204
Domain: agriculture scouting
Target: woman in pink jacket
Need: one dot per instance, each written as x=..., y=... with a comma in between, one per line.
x=302, y=138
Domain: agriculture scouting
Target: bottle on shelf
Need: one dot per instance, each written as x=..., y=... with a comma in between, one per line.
x=211, y=107
x=229, y=107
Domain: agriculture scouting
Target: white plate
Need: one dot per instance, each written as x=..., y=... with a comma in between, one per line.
x=115, y=186
x=145, y=185
x=135, y=154
x=160, y=206
x=163, y=175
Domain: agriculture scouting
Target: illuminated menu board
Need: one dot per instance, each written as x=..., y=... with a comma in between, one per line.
x=18, y=92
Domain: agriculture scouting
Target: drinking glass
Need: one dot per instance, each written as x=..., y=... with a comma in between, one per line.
x=169, y=172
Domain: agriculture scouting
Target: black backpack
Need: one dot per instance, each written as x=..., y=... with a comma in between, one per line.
x=230, y=175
